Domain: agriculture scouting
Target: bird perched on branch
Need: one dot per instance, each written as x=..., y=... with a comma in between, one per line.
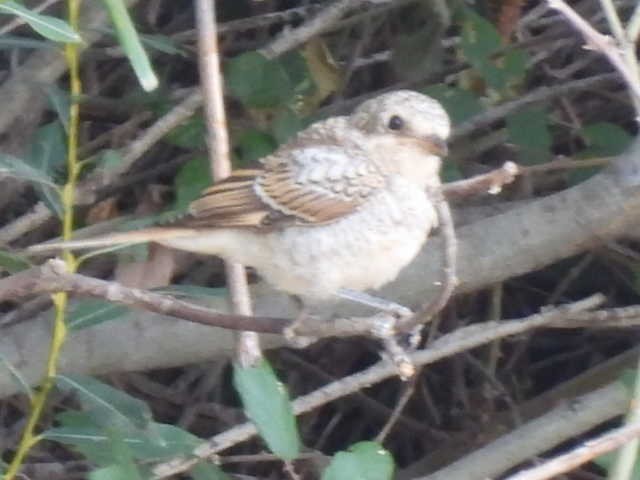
x=343, y=205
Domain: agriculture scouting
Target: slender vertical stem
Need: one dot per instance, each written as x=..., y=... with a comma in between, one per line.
x=59, y=332
x=218, y=140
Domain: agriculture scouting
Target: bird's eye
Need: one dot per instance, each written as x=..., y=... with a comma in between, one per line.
x=396, y=123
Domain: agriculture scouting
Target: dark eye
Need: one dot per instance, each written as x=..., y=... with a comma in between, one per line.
x=396, y=123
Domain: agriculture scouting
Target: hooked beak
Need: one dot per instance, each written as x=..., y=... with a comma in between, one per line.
x=436, y=146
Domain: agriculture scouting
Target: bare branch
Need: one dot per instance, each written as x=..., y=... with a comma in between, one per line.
x=581, y=455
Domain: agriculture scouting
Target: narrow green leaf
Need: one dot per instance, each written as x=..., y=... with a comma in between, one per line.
x=48, y=154
x=17, y=376
x=48, y=150
x=363, y=461
x=90, y=312
x=131, y=44
x=14, y=167
x=60, y=101
x=12, y=262
x=158, y=441
x=123, y=456
x=267, y=404
x=107, y=406
x=14, y=41
x=47, y=26
x=79, y=431
x=163, y=44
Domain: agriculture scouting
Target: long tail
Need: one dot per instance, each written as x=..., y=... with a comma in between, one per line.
x=156, y=234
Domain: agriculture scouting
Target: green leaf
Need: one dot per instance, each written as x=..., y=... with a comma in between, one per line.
x=297, y=71
x=191, y=180
x=258, y=82
x=190, y=135
x=286, y=125
x=363, y=461
x=131, y=44
x=109, y=160
x=48, y=150
x=207, y=471
x=14, y=167
x=604, y=139
x=479, y=42
x=17, y=376
x=528, y=129
x=12, y=262
x=157, y=442
x=113, y=472
x=79, y=431
x=107, y=406
x=14, y=41
x=60, y=101
x=266, y=403
x=48, y=154
x=254, y=144
x=163, y=44
x=47, y=26
x=91, y=311
x=460, y=104
x=417, y=54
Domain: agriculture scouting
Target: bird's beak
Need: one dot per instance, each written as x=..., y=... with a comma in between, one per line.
x=436, y=146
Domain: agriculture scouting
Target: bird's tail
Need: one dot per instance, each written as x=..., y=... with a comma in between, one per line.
x=154, y=234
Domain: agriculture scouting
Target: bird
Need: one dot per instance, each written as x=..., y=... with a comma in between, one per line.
x=343, y=206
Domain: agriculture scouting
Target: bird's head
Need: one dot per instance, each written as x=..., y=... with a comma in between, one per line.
x=406, y=114
x=408, y=130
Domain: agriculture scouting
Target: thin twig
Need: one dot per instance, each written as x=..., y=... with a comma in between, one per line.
x=581, y=455
x=450, y=281
x=288, y=39
x=604, y=45
x=212, y=86
x=633, y=27
x=490, y=182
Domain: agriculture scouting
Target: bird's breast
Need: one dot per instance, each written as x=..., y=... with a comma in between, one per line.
x=361, y=251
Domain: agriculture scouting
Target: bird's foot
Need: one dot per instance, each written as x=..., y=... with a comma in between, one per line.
x=292, y=337
x=399, y=356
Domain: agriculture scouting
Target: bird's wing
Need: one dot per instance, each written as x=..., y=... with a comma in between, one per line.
x=303, y=185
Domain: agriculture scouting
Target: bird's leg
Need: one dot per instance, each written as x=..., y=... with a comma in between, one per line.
x=376, y=302
x=302, y=315
x=397, y=347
